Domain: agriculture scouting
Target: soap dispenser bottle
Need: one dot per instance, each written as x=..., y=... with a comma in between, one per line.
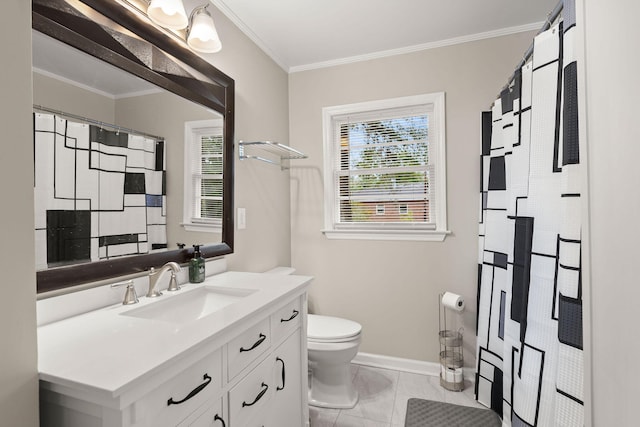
x=196, y=266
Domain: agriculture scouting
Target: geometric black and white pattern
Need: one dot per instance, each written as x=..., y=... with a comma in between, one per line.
x=99, y=194
x=530, y=350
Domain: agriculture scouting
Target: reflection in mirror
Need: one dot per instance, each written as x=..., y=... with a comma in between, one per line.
x=99, y=193
x=100, y=189
x=108, y=137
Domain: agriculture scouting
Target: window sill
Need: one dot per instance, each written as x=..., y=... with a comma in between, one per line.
x=207, y=228
x=410, y=235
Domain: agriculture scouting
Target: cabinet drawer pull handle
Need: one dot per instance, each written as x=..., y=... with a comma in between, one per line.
x=257, y=343
x=293, y=316
x=207, y=380
x=281, y=388
x=217, y=418
x=258, y=397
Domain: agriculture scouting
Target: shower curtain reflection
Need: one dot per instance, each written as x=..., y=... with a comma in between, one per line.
x=99, y=194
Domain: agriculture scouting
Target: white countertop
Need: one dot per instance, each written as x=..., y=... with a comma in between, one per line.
x=108, y=354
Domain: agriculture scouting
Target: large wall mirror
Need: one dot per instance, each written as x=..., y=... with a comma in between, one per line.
x=104, y=68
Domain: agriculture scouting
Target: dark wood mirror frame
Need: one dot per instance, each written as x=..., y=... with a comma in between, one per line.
x=116, y=40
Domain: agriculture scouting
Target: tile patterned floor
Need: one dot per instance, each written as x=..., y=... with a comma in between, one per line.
x=383, y=398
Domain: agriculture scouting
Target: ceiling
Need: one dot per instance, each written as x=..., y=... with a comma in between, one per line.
x=59, y=60
x=306, y=34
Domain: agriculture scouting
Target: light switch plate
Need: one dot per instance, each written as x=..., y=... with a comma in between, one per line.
x=242, y=218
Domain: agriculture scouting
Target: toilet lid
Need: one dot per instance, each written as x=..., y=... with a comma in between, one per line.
x=331, y=328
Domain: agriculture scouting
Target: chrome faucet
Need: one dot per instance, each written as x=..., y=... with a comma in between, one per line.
x=154, y=275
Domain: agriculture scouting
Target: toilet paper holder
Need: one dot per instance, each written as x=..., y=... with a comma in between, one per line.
x=450, y=337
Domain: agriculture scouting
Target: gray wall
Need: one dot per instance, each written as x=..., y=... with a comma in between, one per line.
x=165, y=114
x=18, y=355
x=58, y=95
x=261, y=114
x=391, y=287
x=611, y=253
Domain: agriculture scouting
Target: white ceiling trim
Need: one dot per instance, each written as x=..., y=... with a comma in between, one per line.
x=72, y=82
x=139, y=93
x=94, y=90
x=419, y=47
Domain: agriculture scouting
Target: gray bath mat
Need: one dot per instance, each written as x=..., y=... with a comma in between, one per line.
x=427, y=413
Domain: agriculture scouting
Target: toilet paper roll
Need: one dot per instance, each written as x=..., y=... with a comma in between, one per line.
x=451, y=375
x=453, y=301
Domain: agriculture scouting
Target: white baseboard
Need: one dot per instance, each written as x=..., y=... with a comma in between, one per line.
x=405, y=365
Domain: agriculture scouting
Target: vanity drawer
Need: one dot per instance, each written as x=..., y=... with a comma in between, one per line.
x=210, y=415
x=247, y=346
x=250, y=400
x=177, y=398
x=286, y=320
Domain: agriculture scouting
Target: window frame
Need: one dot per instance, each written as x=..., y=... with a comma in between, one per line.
x=437, y=160
x=193, y=130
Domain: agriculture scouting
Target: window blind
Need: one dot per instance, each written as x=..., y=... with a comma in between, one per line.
x=207, y=178
x=383, y=177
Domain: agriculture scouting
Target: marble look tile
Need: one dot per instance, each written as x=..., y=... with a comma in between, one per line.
x=377, y=389
x=383, y=398
x=351, y=421
x=464, y=398
x=323, y=417
x=422, y=386
x=414, y=385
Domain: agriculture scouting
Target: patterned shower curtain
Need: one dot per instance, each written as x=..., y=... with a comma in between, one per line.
x=529, y=348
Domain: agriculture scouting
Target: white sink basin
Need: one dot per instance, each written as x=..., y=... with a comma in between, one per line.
x=191, y=305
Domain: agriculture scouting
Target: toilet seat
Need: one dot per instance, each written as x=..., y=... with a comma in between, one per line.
x=331, y=329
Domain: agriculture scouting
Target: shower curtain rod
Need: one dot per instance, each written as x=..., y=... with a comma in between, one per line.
x=96, y=122
x=547, y=24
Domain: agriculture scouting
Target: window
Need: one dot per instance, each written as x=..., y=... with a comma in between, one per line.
x=203, y=175
x=385, y=169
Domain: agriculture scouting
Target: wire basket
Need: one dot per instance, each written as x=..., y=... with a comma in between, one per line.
x=450, y=338
x=451, y=356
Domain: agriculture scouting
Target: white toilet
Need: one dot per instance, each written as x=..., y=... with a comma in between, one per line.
x=332, y=343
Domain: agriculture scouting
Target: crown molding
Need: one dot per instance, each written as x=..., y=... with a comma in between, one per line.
x=420, y=47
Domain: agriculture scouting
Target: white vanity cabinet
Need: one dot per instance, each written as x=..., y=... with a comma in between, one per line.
x=271, y=393
x=288, y=396
x=250, y=373
x=247, y=347
x=210, y=415
x=172, y=402
x=168, y=404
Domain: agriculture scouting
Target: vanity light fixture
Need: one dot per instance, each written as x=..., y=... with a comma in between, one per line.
x=168, y=13
x=201, y=31
x=201, y=34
